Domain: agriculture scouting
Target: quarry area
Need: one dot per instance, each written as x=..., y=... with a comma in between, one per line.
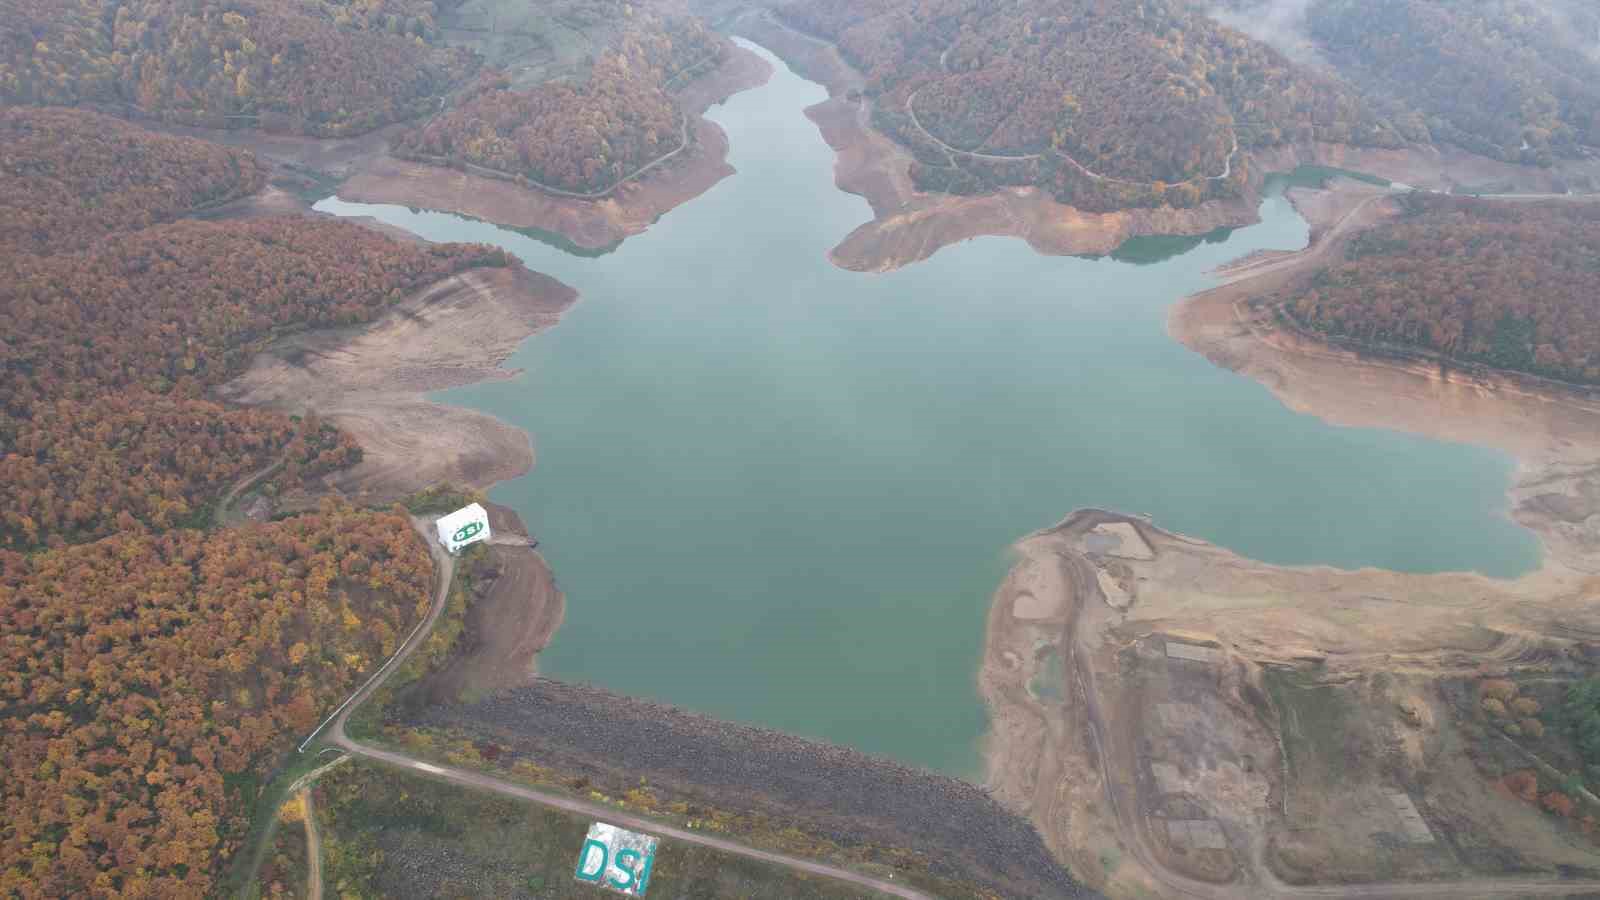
x=1181, y=721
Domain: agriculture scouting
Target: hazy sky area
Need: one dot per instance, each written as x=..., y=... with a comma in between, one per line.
x=1281, y=23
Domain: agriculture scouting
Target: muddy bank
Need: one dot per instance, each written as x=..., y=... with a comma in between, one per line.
x=954, y=829
x=590, y=224
x=371, y=381
x=1076, y=632
x=1130, y=673
x=514, y=611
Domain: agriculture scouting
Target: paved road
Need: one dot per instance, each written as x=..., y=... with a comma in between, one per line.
x=444, y=565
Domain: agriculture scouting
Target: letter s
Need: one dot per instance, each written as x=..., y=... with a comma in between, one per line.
x=625, y=861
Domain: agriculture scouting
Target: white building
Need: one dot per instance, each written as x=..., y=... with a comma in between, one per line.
x=467, y=525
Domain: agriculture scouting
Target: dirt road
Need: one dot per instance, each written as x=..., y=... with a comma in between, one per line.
x=444, y=566
x=224, y=514
x=313, y=848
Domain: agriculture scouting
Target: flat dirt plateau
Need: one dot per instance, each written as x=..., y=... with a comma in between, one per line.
x=589, y=224
x=1178, y=720
x=371, y=381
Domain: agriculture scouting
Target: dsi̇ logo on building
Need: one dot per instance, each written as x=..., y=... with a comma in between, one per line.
x=617, y=859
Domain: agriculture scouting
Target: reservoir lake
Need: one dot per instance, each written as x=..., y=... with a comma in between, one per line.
x=782, y=493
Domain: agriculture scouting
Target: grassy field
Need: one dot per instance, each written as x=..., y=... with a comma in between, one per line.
x=388, y=833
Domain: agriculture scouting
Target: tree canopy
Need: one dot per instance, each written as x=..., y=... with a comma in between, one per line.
x=1517, y=80
x=580, y=136
x=1511, y=285
x=106, y=353
x=323, y=67
x=70, y=176
x=143, y=676
x=1122, y=104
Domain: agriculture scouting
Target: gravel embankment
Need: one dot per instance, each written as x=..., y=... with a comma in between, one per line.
x=846, y=796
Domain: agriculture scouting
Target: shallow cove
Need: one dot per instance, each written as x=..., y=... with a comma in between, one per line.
x=780, y=492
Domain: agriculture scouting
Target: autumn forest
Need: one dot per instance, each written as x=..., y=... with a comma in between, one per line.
x=1040, y=93
x=579, y=137
x=1503, y=284
x=153, y=669
x=156, y=667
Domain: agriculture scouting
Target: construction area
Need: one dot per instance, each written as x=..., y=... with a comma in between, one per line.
x=1177, y=720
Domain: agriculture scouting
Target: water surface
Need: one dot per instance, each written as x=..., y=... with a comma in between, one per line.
x=779, y=492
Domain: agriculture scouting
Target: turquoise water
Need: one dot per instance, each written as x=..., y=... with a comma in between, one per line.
x=779, y=492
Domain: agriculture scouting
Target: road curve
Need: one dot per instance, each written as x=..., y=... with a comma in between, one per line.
x=444, y=566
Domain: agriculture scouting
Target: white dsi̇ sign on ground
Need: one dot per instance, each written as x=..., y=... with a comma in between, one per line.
x=467, y=525
x=617, y=859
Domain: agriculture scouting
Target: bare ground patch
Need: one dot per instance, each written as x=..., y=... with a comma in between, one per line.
x=1231, y=728
x=1370, y=785
x=515, y=611
x=371, y=381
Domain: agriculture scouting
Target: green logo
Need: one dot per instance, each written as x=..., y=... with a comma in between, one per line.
x=466, y=532
x=617, y=859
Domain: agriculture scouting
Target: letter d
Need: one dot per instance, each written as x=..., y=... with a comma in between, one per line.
x=583, y=861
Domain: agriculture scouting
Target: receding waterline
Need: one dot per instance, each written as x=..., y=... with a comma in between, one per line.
x=780, y=492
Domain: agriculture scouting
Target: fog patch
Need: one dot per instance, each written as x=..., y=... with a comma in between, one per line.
x=1281, y=24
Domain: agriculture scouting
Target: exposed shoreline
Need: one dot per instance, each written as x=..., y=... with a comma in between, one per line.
x=355, y=374
x=910, y=225
x=372, y=381
x=589, y=224
x=1072, y=766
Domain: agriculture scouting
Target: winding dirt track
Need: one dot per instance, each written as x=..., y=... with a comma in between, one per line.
x=444, y=566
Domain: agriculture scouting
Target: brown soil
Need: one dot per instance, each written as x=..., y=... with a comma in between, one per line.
x=336, y=157
x=1104, y=748
x=592, y=224
x=1081, y=759
x=515, y=611
x=371, y=381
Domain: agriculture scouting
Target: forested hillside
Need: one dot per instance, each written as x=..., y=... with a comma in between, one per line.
x=1109, y=105
x=105, y=355
x=150, y=673
x=1513, y=79
x=70, y=176
x=1506, y=284
x=1517, y=80
x=145, y=677
x=584, y=135
x=320, y=67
